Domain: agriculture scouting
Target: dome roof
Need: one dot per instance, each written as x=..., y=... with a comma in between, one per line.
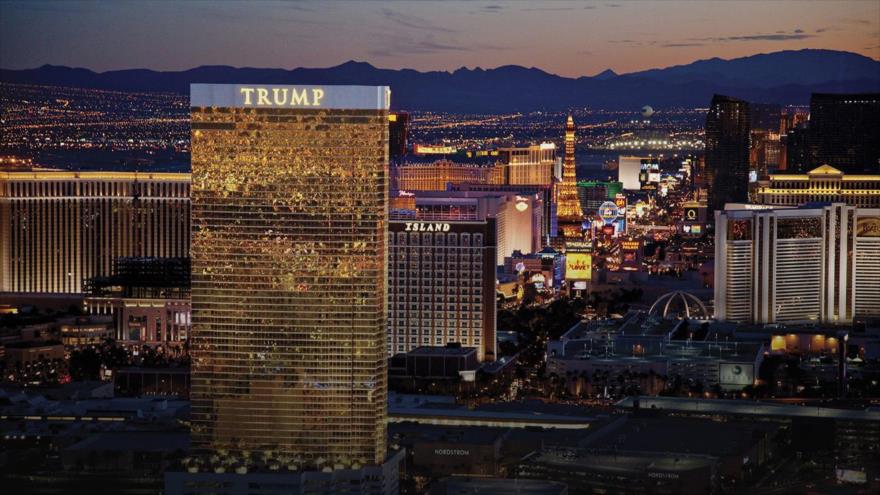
x=679, y=304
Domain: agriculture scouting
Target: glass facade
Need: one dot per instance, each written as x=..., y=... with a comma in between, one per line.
x=289, y=283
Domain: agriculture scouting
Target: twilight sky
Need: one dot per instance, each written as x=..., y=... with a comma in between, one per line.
x=566, y=38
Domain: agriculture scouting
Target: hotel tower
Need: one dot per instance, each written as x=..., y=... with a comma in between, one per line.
x=569, y=216
x=58, y=229
x=289, y=200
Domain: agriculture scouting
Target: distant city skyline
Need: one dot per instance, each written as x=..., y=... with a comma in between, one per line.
x=565, y=38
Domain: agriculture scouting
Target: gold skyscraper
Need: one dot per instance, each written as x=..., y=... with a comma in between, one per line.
x=569, y=215
x=289, y=200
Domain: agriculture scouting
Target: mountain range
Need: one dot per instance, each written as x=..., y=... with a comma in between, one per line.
x=785, y=77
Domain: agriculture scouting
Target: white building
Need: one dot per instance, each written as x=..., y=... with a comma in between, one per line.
x=628, y=168
x=788, y=265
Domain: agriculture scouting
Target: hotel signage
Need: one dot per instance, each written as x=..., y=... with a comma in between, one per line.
x=281, y=97
x=426, y=227
x=290, y=96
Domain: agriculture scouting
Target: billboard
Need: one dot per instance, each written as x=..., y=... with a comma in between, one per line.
x=608, y=212
x=736, y=375
x=578, y=266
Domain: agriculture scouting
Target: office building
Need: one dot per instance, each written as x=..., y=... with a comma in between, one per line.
x=569, y=216
x=148, y=299
x=398, y=131
x=58, y=229
x=822, y=184
x=844, y=130
x=628, y=168
x=787, y=265
x=441, y=280
x=727, y=151
x=289, y=263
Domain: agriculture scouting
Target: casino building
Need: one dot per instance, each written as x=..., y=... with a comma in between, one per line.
x=441, y=280
x=437, y=175
x=58, y=229
x=289, y=263
x=797, y=265
x=524, y=166
x=531, y=165
x=824, y=183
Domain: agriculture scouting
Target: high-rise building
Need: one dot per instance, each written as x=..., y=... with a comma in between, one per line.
x=795, y=265
x=628, y=168
x=822, y=184
x=524, y=166
x=797, y=148
x=398, y=131
x=531, y=165
x=765, y=123
x=518, y=217
x=441, y=283
x=765, y=117
x=58, y=229
x=727, y=151
x=543, y=195
x=569, y=217
x=439, y=175
x=289, y=254
x=844, y=130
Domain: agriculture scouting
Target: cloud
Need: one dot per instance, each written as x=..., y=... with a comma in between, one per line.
x=767, y=37
x=400, y=44
x=797, y=34
x=488, y=9
x=856, y=21
x=414, y=22
x=549, y=9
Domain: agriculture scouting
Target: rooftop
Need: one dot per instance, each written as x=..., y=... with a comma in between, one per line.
x=620, y=463
x=747, y=408
x=442, y=351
